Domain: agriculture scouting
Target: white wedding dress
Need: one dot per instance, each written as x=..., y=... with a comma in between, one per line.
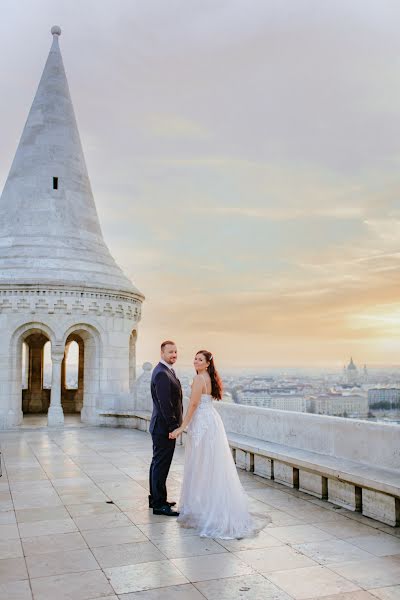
x=213, y=501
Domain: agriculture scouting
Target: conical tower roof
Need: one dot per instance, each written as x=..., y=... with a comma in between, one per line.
x=49, y=229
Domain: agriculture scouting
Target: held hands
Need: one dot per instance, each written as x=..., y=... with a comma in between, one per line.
x=174, y=434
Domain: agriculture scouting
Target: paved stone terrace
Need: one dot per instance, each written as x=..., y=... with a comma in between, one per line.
x=61, y=538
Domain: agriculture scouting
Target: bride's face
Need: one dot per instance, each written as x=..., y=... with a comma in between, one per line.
x=200, y=363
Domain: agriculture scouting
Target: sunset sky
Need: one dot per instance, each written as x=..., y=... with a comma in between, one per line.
x=245, y=162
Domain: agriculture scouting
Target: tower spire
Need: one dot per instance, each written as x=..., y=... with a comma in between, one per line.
x=49, y=228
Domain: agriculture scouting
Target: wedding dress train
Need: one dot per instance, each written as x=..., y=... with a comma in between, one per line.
x=213, y=501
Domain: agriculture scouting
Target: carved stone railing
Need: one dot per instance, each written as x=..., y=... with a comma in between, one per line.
x=60, y=300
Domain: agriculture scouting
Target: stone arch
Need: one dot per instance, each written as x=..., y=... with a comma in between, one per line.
x=89, y=340
x=26, y=332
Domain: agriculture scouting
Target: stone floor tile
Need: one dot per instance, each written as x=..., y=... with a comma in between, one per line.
x=5, y=502
x=60, y=542
x=379, y=544
x=118, y=489
x=102, y=521
x=50, y=527
x=372, y=573
x=16, y=590
x=127, y=554
x=109, y=537
x=142, y=515
x=28, y=475
x=7, y=517
x=387, y=593
x=89, y=509
x=81, y=481
x=315, y=515
x=164, y=530
x=299, y=534
x=332, y=551
x=246, y=587
x=10, y=549
x=132, y=504
x=261, y=540
x=346, y=529
x=144, y=576
x=9, y=532
x=311, y=582
x=83, y=497
x=12, y=569
x=186, y=591
x=59, y=563
x=181, y=547
x=69, y=473
x=215, y=566
x=29, y=515
x=31, y=487
x=266, y=560
x=36, y=501
x=280, y=518
x=359, y=595
x=72, y=586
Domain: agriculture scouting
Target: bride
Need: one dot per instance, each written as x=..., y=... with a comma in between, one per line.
x=213, y=501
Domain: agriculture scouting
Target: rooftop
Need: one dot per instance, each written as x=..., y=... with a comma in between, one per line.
x=74, y=523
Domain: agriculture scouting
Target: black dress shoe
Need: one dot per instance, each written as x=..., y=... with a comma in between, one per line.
x=169, y=503
x=165, y=510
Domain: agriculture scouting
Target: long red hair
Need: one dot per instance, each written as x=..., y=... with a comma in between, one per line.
x=216, y=383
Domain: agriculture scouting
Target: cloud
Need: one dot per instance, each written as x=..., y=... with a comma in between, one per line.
x=175, y=126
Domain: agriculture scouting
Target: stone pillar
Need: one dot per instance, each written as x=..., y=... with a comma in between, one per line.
x=55, y=415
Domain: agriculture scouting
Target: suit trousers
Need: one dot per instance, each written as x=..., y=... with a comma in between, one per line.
x=163, y=451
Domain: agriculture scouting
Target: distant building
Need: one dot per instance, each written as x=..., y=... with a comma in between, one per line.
x=383, y=394
x=339, y=405
x=262, y=397
x=351, y=372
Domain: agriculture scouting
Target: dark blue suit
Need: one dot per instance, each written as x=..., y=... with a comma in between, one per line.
x=166, y=392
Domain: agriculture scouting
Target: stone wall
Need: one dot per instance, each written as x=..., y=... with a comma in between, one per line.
x=369, y=443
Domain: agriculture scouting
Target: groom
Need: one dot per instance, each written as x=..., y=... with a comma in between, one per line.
x=166, y=392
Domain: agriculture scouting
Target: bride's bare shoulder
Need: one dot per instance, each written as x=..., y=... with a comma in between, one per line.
x=197, y=379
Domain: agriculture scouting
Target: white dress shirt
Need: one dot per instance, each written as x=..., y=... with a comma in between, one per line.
x=170, y=367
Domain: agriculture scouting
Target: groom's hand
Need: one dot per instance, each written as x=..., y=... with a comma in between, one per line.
x=174, y=434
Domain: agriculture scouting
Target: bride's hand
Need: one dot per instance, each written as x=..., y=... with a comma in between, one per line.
x=174, y=434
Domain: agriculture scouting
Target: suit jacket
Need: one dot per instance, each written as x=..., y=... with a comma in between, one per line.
x=166, y=392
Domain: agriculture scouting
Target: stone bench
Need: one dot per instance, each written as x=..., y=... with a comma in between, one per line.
x=356, y=486
x=133, y=419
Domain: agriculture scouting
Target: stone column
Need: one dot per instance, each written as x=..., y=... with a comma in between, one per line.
x=55, y=415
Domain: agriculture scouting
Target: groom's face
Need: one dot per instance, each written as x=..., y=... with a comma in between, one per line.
x=169, y=354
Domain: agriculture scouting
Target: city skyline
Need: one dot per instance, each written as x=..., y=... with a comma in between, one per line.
x=244, y=164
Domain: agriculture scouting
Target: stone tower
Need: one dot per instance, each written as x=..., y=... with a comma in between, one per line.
x=58, y=280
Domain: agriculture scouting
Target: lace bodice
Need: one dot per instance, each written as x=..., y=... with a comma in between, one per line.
x=205, y=399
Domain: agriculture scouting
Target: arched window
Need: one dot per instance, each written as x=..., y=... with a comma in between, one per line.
x=47, y=366
x=72, y=366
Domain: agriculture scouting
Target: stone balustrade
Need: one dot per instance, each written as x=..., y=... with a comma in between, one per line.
x=349, y=462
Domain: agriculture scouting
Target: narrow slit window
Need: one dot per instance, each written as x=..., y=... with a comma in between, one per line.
x=55, y=183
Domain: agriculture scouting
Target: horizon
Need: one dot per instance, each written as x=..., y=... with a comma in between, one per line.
x=244, y=163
